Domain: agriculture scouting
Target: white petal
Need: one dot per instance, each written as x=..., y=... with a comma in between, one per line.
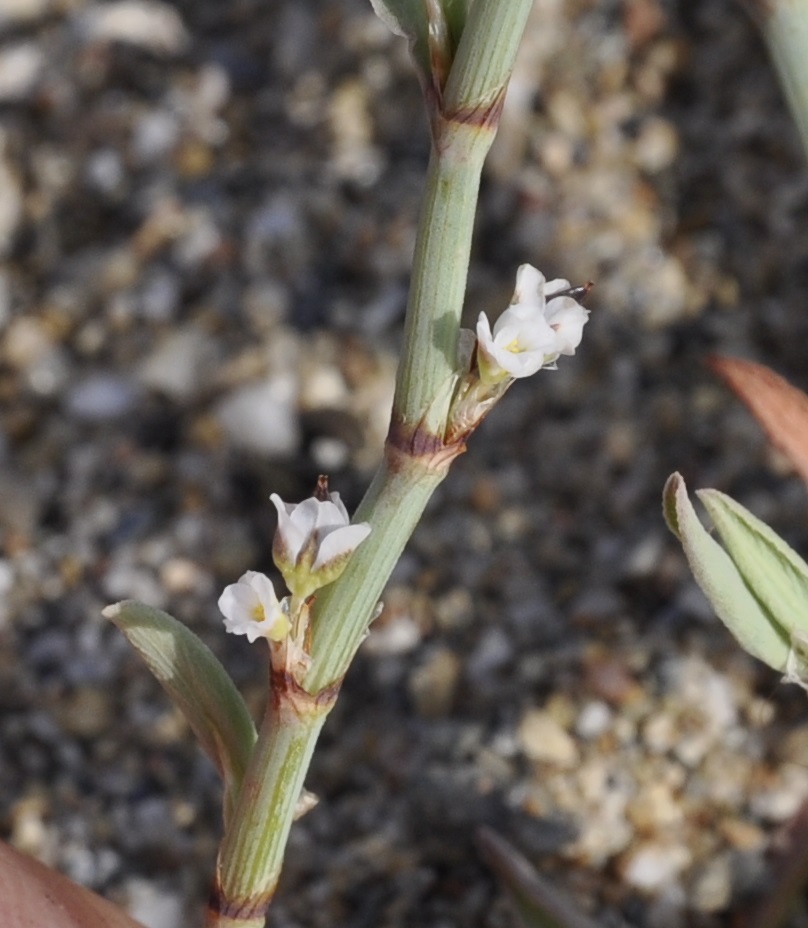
x=337, y=501
x=340, y=541
x=331, y=515
x=555, y=286
x=263, y=588
x=529, y=285
x=568, y=319
x=484, y=335
x=235, y=601
x=237, y=604
x=292, y=526
x=250, y=607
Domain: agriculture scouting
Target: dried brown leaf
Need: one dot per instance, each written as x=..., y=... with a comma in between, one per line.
x=34, y=896
x=780, y=408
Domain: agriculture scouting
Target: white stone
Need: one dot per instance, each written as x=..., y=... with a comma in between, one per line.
x=16, y=12
x=178, y=365
x=593, y=720
x=654, y=866
x=399, y=635
x=262, y=417
x=544, y=740
x=20, y=68
x=143, y=23
x=153, y=905
x=100, y=397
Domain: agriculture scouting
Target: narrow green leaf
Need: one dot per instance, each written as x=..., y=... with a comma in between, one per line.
x=772, y=570
x=407, y=18
x=538, y=903
x=457, y=12
x=197, y=684
x=721, y=581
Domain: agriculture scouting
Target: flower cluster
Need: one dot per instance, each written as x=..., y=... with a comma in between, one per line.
x=312, y=545
x=542, y=323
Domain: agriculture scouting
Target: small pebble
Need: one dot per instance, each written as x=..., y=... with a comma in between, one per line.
x=654, y=866
x=21, y=66
x=262, y=417
x=179, y=364
x=146, y=24
x=152, y=905
x=433, y=684
x=101, y=397
x=594, y=719
x=711, y=890
x=545, y=741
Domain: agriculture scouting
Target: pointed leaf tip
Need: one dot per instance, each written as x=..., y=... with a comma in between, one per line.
x=673, y=486
x=722, y=582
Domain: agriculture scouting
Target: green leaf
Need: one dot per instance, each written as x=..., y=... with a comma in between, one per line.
x=457, y=13
x=417, y=20
x=772, y=570
x=408, y=18
x=722, y=583
x=198, y=685
x=538, y=903
x=400, y=16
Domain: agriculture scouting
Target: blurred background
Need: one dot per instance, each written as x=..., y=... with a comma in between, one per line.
x=207, y=212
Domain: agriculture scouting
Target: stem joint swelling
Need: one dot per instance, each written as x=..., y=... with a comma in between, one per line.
x=237, y=913
x=295, y=703
x=416, y=447
x=466, y=125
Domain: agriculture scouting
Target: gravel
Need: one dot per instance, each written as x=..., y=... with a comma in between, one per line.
x=207, y=213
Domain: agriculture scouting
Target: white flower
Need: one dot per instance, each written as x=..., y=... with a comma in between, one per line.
x=314, y=541
x=532, y=332
x=250, y=607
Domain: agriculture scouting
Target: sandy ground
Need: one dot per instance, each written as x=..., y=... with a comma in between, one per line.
x=207, y=212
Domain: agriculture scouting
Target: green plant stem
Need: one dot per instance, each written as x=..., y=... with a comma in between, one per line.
x=415, y=462
x=438, y=282
x=484, y=59
x=462, y=137
x=393, y=505
x=252, y=851
x=463, y=130
x=784, y=24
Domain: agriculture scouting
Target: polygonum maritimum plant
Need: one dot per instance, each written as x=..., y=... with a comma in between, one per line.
x=335, y=568
x=315, y=545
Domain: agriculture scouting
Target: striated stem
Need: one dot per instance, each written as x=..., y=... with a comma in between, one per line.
x=393, y=505
x=438, y=282
x=463, y=123
x=251, y=853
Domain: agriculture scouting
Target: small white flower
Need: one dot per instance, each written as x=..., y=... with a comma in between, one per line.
x=314, y=541
x=532, y=332
x=250, y=607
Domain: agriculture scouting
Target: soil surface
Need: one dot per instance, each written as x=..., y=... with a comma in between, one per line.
x=207, y=212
